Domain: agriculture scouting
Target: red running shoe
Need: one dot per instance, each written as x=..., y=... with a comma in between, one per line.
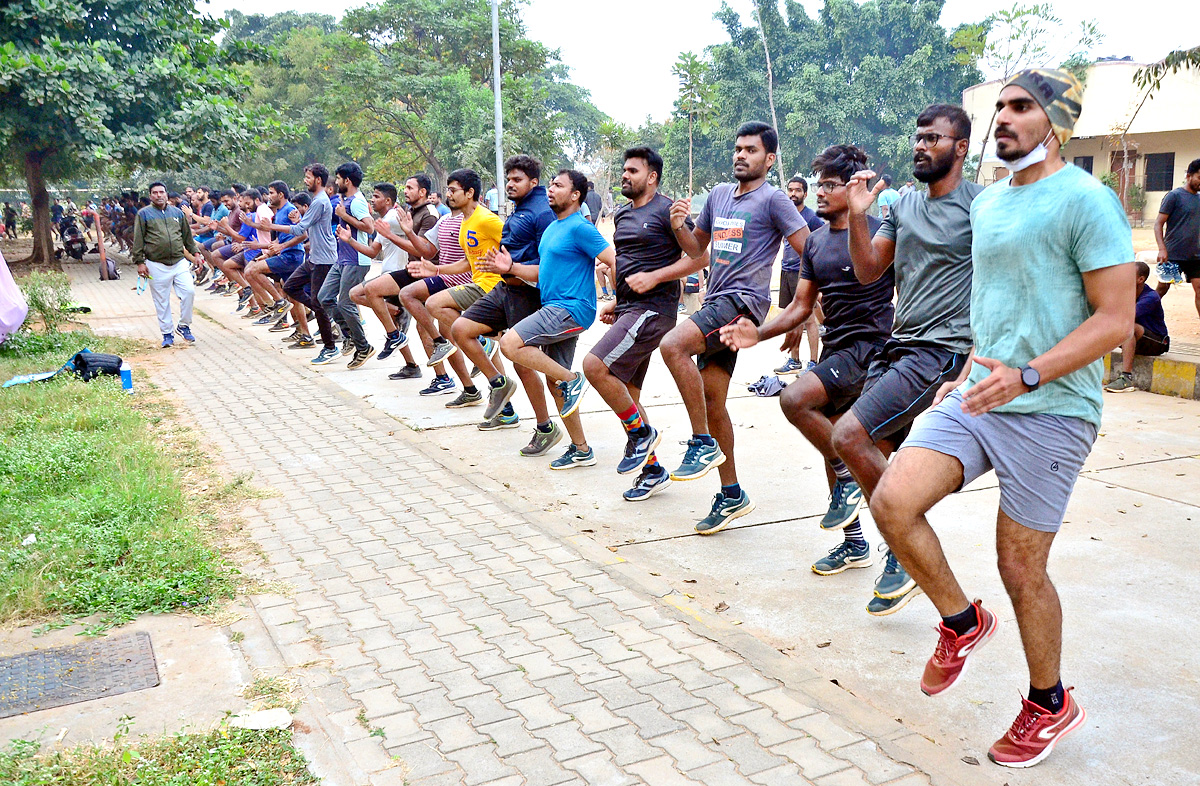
x=1035, y=732
x=949, y=660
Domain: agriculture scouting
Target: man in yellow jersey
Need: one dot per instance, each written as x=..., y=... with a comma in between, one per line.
x=479, y=234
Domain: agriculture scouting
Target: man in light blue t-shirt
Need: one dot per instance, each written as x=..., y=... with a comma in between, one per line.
x=352, y=267
x=1053, y=291
x=545, y=340
x=887, y=197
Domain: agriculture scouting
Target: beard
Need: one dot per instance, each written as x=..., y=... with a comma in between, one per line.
x=799, y=203
x=928, y=169
x=747, y=174
x=630, y=192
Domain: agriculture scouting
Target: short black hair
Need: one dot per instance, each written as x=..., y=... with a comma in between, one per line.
x=653, y=160
x=959, y=120
x=152, y=185
x=591, y=185
x=579, y=182
x=319, y=172
x=770, y=139
x=229, y=192
x=887, y=179
x=840, y=160
x=1143, y=270
x=350, y=171
x=388, y=190
x=253, y=193
x=170, y=195
x=799, y=179
x=281, y=187
x=1193, y=167
x=468, y=180
x=423, y=181
x=204, y=188
x=527, y=164
x=238, y=188
x=301, y=199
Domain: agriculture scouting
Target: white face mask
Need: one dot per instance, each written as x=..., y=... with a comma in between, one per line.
x=1035, y=156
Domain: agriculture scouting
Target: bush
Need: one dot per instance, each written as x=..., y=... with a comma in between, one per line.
x=48, y=295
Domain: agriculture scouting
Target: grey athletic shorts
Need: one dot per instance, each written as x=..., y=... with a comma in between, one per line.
x=553, y=330
x=1037, y=458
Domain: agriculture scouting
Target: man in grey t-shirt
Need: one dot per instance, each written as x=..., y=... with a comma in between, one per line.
x=927, y=238
x=1177, y=232
x=744, y=222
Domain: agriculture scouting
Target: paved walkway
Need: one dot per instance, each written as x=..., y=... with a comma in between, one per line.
x=477, y=645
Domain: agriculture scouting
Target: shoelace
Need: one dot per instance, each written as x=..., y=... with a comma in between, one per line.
x=693, y=451
x=839, y=494
x=630, y=446
x=1023, y=725
x=841, y=549
x=946, y=639
x=891, y=564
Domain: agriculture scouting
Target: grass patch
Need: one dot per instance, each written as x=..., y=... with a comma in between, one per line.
x=270, y=692
x=223, y=757
x=94, y=515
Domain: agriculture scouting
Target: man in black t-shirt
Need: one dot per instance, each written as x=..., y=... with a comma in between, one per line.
x=858, y=321
x=1177, y=232
x=646, y=282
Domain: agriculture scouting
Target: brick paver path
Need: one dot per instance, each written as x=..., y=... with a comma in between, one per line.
x=484, y=648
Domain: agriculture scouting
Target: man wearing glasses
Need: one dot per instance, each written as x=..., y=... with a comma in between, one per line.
x=925, y=241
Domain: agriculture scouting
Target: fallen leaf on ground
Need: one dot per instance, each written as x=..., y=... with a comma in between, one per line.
x=824, y=644
x=722, y=606
x=971, y=760
x=689, y=581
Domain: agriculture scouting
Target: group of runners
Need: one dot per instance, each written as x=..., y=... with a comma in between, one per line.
x=1017, y=290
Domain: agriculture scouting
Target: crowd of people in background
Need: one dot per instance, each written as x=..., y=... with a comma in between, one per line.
x=959, y=332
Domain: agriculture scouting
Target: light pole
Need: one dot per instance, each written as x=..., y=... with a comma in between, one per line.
x=498, y=108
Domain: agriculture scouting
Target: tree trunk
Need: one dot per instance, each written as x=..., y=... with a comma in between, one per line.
x=983, y=150
x=39, y=198
x=770, y=90
x=690, y=125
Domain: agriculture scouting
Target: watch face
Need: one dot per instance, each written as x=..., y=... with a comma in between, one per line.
x=1030, y=377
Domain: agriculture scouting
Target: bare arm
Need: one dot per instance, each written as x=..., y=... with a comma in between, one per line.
x=644, y=282
x=743, y=334
x=1110, y=293
x=347, y=237
x=1160, y=224
x=693, y=242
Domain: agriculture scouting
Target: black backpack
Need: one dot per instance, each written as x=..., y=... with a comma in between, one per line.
x=90, y=365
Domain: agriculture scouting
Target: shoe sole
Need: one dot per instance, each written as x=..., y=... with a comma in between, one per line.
x=858, y=506
x=499, y=426
x=431, y=362
x=1121, y=390
x=360, y=363
x=653, y=446
x=1020, y=765
x=585, y=463
x=444, y=391
x=566, y=413
x=901, y=602
x=654, y=490
x=847, y=566
x=457, y=405
x=735, y=515
x=549, y=446
x=966, y=662
x=323, y=362
x=905, y=588
x=716, y=463
x=793, y=373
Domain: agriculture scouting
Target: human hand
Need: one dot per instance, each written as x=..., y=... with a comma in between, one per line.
x=239, y=248
x=294, y=216
x=143, y=270
x=791, y=340
x=641, y=282
x=742, y=334
x=680, y=210
x=340, y=211
x=419, y=268
x=406, y=221
x=858, y=195
x=274, y=249
x=343, y=233
x=944, y=391
x=1162, y=255
x=998, y=388
x=606, y=312
x=496, y=261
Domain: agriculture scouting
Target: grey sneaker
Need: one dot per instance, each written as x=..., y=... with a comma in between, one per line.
x=542, y=441
x=361, y=356
x=499, y=396
x=574, y=457
x=894, y=581
x=465, y=399
x=347, y=346
x=572, y=394
x=844, y=504
x=698, y=459
x=1121, y=383
x=881, y=607
x=724, y=510
x=842, y=557
x=501, y=421
x=441, y=351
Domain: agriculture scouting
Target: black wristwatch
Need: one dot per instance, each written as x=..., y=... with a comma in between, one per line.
x=1030, y=377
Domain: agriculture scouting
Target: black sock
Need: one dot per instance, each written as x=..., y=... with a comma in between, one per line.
x=439, y=340
x=546, y=427
x=470, y=389
x=1049, y=699
x=394, y=334
x=497, y=381
x=443, y=377
x=963, y=622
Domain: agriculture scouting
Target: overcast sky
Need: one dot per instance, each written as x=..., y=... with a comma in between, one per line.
x=622, y=50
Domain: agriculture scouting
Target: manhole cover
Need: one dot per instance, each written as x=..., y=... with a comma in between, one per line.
x=48, y=678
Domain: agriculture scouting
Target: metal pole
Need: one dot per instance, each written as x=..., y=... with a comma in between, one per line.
x=498, y=108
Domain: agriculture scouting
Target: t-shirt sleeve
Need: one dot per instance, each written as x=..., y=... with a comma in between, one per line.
x=432, y=234
x=1168, y=203
x=887, y=229
x=359, y=209
x=1101, y=236
x=705, y=219
x=493, y=229
x=784, y=214
x=589, y=240
x=806, y=265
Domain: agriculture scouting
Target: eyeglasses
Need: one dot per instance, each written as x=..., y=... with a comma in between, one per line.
x=931, y=139
x=829, y=186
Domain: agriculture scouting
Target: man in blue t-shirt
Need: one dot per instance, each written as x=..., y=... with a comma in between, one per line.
x=545, y=340
x=352, y=267
x=1149, y=333
x=1052, y=292
x=267, y=273
x=789, y=277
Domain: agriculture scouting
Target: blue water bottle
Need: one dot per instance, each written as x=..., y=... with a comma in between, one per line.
x=126, y=378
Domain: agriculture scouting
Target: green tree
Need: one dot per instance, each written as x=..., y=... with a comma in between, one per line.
x=272, y=30
x=696, y=101
x=90, y=84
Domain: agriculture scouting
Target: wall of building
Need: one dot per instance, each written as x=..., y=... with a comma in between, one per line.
x=1184, y=144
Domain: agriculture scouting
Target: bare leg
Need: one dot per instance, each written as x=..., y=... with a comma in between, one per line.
x=371, y=294
x=614, y=392
x=862, y=457
x=573, y=424
x=801, y=402
x=533, y=388
x=678, y=347
x=1022, y=554
x=1129, y=349
x=716, y=389
x=465, y=334
x=1196, y=291
x=813, y=328
x=1162, y=288
x=917, y=479
x=441, y=307
x=413, y=298
x=533, y=357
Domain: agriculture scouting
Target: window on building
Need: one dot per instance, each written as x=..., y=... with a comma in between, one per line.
x=1084, y=163
x=1160, y=171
